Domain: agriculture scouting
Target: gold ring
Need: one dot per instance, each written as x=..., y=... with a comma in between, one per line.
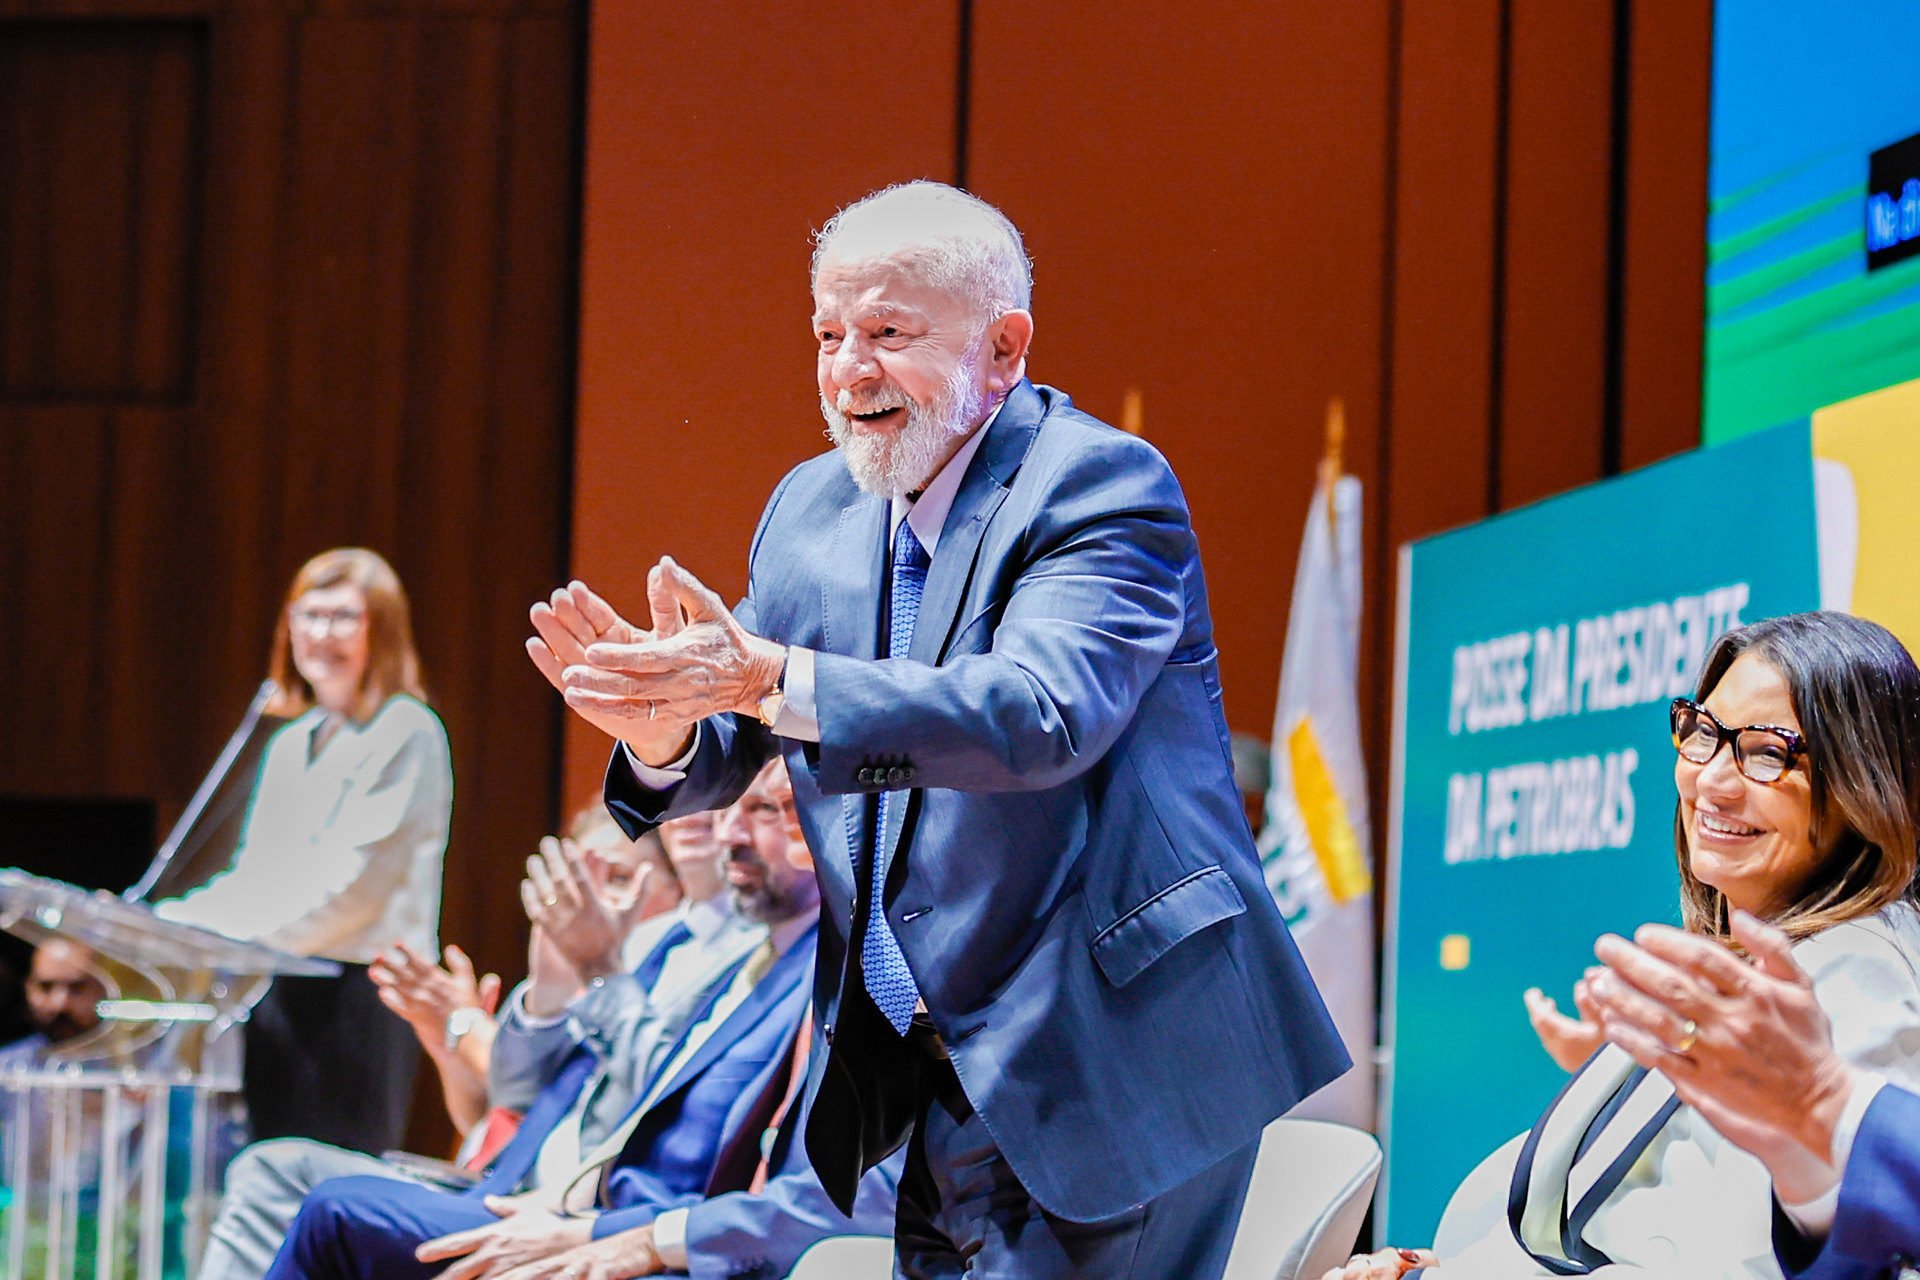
x=554, y=901
x=1689, y=1036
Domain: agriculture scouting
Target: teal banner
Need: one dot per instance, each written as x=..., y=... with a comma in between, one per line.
x=1533, y=797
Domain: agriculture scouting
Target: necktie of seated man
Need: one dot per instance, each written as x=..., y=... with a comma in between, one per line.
x=882, y=963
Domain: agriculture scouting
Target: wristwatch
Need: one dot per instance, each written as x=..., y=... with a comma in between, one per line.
x=459, y=1022
x=768, y=709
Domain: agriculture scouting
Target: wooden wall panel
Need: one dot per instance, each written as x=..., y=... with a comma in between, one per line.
x=1444, y=311
x=100, y=132
x=1203, y=197
x=715, y=148
x=1555, y=268
x=382, y=355
x=1664, y=261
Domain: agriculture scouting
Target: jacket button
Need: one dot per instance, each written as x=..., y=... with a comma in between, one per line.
x=864, y=777
x=906, y=773
x=896, y=776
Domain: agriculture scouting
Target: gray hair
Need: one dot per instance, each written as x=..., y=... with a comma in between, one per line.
x=960, y=242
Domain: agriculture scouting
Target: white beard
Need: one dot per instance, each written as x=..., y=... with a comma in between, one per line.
x=890, y=466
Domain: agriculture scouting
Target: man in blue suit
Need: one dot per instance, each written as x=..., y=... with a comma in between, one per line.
x=757, y=1232
x=980, y=637
x=707, y=1100
x=1753, y=1053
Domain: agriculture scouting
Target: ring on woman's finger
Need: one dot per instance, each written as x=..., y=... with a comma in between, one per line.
x=553, y=900
x=1689, y=1036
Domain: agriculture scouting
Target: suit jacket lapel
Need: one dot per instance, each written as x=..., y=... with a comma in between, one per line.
x=981, y=492
x=788, y=974
x=853, y=571
x=518, y=1157
x=854, y=575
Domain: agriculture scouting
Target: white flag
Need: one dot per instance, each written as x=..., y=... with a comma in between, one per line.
x=1315, y=843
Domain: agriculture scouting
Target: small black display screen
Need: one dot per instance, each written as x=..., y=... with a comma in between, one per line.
x=1893, y=203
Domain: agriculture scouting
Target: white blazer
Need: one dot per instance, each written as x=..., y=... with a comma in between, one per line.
x=342, y=851
x=1681, y=1202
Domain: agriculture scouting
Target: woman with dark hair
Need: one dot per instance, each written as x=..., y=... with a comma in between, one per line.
x=340, y=857
x=1798, y=768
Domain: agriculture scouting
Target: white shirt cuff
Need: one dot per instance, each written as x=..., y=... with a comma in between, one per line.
x=799, y=717
x=1814, y=1219
x=660, y=777
x=670, y=1239
x=517, y=1010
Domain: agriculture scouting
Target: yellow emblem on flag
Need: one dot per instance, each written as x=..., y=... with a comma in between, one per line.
x=1335, y=846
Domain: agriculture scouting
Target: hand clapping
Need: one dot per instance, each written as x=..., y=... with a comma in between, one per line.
x=649, y=687
x=423, y=993
x=565, y=900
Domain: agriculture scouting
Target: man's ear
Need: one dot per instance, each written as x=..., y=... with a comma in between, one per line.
x=1007, y=341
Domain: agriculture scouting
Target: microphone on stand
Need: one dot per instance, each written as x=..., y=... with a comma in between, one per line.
x=203, y=796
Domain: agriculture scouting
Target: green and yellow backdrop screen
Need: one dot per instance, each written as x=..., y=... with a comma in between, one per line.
x=1813, y=225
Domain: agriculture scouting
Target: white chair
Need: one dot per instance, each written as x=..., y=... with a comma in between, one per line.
x=1312, y=1181
x=846, y=1258
x=1311, y=1185
x=1478, y=1205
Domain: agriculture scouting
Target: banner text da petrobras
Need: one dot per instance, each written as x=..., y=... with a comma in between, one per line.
x=1625, y=658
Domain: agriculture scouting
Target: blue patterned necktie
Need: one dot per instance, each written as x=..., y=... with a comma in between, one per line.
x=882, y=963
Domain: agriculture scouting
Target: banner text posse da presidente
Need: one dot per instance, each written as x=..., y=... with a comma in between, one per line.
x=1627, y=658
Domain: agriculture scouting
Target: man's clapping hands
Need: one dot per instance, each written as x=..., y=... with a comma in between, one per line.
x=649, y=686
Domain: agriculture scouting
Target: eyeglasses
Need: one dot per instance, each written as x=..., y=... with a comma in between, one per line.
x=327, y=622
x=1763, y=752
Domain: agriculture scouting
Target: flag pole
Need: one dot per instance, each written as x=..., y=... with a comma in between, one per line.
x=1332, y=462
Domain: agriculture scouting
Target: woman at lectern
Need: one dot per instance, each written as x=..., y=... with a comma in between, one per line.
x=340, y=856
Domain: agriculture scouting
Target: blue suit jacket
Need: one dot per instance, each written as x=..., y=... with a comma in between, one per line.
x=737, y=1236
x=715, y=1102
x=556, y=1095
x=1876, y=1231
x=1073, y=883
x=350, y=1228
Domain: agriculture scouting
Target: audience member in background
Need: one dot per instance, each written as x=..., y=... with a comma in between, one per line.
x=1842, y=1144
x=698, y=1123
x=636, y=877
x=1799, y=777
x=63, y=986
x=581, y=990
x=340, y=857
x=759, y=1228
x=450, y=1011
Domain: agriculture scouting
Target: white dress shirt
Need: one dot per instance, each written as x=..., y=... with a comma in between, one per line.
x=342, y=851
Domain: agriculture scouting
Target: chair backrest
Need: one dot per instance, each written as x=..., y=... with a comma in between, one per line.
x=846, y=1258
x=1478, y=1205
x=1312, y=1182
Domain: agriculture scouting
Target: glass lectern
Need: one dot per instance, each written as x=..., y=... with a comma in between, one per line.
x=112, y=1143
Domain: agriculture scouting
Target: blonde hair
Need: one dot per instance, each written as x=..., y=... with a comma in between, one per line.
x=393, y=664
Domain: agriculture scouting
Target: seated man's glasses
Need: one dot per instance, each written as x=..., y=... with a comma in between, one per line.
x=1763, y=752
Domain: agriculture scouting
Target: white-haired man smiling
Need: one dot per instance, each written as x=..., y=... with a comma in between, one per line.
x=978, y=632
